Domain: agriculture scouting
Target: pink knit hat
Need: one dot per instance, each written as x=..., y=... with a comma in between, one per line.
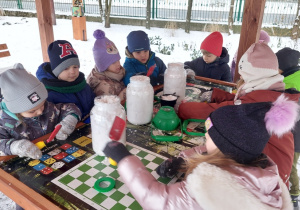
x=213, y=43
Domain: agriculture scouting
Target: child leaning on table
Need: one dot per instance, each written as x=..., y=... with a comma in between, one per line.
x=26, y=114
x=63, y=80
x=107, y=75
x=141, y=60
x=214, y=62
x=234, y=171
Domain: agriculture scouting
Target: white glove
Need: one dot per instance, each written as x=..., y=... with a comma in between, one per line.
x=68, y=126
x=25, y=148
x=206, y=96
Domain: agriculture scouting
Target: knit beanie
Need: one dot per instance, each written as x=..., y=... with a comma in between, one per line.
x=105, y=52
x=287, y=58
x=213, y=43
x=242, y=131
x=62, y=55
x=137, y=41
x=264, y=36
x=21, y=90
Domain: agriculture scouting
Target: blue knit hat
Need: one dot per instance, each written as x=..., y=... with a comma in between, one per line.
x=105, y=52
x=62, y=55
x=137, y=41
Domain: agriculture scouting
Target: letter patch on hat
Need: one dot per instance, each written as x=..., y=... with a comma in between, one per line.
x=111, y=48
x=66, y=50
x=34, y=97
x=208, y=123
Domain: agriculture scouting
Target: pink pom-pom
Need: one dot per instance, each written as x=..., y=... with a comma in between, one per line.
x=99, y=34
x=282, y=116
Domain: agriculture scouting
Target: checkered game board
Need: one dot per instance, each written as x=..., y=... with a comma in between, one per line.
x=80, y=180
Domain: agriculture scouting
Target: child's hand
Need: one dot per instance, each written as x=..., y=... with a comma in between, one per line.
x=206, y=96
x=116, y=151
x=25, y=148
x=170, y=167
x=68, y=126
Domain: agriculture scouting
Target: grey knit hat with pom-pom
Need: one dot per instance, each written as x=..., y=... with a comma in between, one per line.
x=105, y=52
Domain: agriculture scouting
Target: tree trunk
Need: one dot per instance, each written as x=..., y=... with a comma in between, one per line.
x=188, y=17
x=148, y=13
x=295, y=30
x=101, y=11
x=107, y=13
x=230, y=18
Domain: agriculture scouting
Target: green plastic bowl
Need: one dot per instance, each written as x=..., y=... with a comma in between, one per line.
x=166, y=119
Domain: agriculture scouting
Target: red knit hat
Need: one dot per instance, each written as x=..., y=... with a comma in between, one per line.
x=213, y=43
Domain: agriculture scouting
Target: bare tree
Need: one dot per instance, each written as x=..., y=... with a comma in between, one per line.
x=295, y=30
x=148, y=13
x=101, y=11
x=230, y=18
x=107, y=13
x=188, y=16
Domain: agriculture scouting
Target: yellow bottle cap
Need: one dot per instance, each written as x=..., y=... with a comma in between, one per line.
x=112, y=162
x=40, y=144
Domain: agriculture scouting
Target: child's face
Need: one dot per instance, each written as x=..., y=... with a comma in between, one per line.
x=70, y=74
x=115, y=67
x=208, y=57
x=36, y=111
x=210, y=145
x=141, y=56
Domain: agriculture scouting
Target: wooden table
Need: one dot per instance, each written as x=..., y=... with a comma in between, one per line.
x=31, y=191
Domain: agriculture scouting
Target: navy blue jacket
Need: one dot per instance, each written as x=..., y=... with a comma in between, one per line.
x=219, y=69
x=134, y=67
x=84, y=98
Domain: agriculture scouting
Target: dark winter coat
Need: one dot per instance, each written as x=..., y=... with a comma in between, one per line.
x=134, y=67
x=11, y=128
x=219, y=69
x=59, y=91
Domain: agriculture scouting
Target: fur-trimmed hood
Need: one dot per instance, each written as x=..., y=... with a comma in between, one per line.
x=241, y=188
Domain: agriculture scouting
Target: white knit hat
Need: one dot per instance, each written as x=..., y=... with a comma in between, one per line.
x=21, y=91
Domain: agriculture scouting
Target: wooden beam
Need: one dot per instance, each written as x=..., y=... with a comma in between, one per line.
x=251, y=25
x=4, y=51
x=43, y=9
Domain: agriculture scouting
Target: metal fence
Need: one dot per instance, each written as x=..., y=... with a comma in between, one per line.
x=277, y=12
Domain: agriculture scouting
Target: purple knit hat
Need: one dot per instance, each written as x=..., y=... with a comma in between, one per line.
x=105, y=52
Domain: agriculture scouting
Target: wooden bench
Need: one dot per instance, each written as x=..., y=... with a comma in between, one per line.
x=4, y=51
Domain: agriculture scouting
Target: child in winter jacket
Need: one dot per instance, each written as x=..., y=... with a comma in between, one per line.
x=107, y=75
x=261, y=82
x=141, y=60
x=233, y=170
x=214, y=62
x=63, y=80
x=27, y=115
x=288, y=66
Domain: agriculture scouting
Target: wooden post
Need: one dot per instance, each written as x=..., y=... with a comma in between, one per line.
x=79, y=28
x=251, y=25
x=53, y=12
x=45, y=26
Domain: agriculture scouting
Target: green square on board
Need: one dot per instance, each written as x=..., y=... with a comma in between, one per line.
x=67, y=179
x=117, y=195
x=99, y=158
x=118, y=206
x=163, y=180
x=118, y=184
x=84, y=168
x=82, y=188
x=142, y=154
x=83, y=177
x=114, y=174
x=99, y=198
x=158, y=160
x=145, y=162
x=100, y=166
x=135, y=205
x=99, y=175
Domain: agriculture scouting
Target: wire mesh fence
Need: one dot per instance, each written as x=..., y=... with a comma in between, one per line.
x=276, y=12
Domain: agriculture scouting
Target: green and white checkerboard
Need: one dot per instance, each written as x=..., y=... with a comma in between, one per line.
x=79, y=180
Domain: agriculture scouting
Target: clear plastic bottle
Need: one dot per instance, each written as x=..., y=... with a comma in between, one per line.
x=139, y=100
x=175, y=81
x=103, y=114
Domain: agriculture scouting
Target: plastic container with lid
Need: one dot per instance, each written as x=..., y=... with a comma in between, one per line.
x=103, y=114
x=139, y=100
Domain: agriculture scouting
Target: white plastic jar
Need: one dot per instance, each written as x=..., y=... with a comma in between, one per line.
x=139, y=100
x=175, y=81
x=103, y=114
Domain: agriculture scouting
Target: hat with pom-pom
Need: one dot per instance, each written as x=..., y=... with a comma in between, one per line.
x=105, y=52
x=21, y=90
x=264, y=36
x=242, y=131
x=287, y=59
x=62, y=55
x=213, y=43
